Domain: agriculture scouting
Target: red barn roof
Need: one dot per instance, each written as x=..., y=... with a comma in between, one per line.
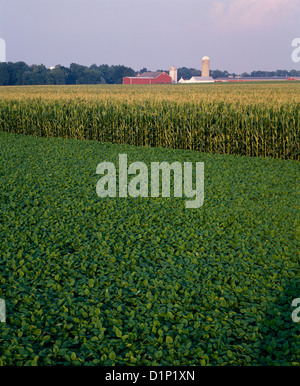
x=150, y=74
x=148, y=77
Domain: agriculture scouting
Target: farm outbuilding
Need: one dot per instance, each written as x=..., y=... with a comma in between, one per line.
x=204, y=78
x=149, y=77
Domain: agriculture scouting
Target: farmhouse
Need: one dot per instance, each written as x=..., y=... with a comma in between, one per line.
x=149, y=77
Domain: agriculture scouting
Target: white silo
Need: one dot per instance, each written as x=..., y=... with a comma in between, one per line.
x=205, y=67
x=173, y=74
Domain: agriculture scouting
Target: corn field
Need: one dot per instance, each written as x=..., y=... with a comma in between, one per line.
x=253, y=120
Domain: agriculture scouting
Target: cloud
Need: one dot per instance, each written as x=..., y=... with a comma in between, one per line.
x=240, y=15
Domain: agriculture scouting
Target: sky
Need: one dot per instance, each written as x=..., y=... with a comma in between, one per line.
x=238, y=35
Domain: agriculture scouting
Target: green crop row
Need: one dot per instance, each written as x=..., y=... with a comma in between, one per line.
x=144, y=281
x=214, y=126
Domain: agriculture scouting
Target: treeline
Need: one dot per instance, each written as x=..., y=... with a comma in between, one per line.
x=187, y=73
x=20, y=73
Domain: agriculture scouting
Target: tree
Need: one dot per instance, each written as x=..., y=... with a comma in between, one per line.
x=4, y=74
x=218, y=74
x=59, y=74
x=17, y=72
x=37, y=74
x=294, y=73
x=76, y=73
x=120, y=72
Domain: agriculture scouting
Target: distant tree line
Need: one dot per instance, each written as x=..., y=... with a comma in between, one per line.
x=187, y=73
x=20, y=73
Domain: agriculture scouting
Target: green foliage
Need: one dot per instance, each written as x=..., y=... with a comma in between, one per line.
x=20, y=73
x=90, y=281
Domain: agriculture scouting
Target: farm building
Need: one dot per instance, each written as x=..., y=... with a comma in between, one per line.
x=149, y=77
x=198, y=79
x=204, y=78
x=256, y=79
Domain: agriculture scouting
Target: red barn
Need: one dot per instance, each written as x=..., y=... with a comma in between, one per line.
x=149, y=78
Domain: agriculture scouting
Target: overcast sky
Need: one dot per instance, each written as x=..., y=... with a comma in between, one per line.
x=237, y=35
